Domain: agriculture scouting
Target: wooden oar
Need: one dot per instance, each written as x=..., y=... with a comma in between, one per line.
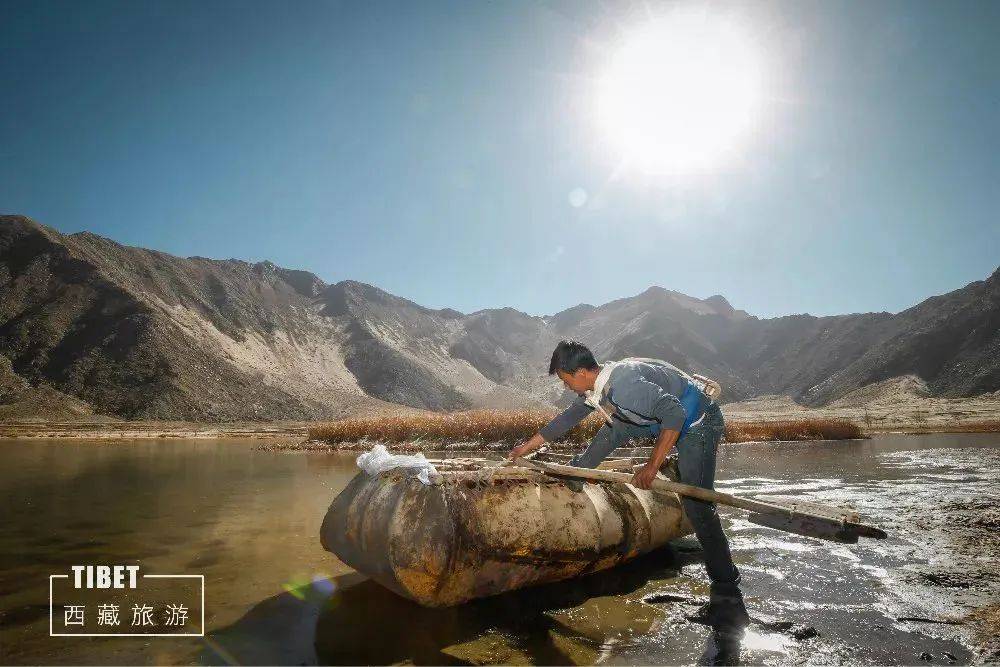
x=810, y=519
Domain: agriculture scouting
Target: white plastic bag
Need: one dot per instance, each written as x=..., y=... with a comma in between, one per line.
x=378, y=460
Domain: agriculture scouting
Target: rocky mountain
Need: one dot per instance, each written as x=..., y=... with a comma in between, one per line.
x=89, y=325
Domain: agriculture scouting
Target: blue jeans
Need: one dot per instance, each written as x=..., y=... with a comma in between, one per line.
x=696, y=463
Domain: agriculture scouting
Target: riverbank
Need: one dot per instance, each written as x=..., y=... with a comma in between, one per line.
x=744, y=426
x=897, y=406
x=111, y=429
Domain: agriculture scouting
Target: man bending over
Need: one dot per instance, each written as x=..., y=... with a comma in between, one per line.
x=648, y=398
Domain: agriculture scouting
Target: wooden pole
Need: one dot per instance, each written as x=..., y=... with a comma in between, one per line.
x=843, y=519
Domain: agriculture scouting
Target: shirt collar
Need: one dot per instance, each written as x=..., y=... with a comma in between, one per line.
x=594, y=397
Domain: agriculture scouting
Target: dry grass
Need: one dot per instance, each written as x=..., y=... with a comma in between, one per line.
x=954, y=426
x=797, y=429
x=489, y=426
x=986, y=622
x=475, y=426
x=986, y=426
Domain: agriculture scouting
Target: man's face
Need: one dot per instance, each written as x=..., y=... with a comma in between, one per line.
x=577, y=382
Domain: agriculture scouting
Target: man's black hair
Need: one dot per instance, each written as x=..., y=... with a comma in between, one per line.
x=570, y=356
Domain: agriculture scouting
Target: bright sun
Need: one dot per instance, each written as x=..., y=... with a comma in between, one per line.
x=680, y=93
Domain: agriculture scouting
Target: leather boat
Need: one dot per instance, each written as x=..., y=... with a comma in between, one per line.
x=479, y=529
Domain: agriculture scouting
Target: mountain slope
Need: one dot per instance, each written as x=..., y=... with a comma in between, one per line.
x=405, y=353
x=137, y=333
x=91, y=325
x=952, y=342
x=142, y=334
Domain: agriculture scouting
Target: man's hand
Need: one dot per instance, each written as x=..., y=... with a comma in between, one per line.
x=643, y=478
x=664, y=442
x=526, y=447
x=520, y=450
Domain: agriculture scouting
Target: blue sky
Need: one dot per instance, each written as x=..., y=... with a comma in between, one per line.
x=431, y=148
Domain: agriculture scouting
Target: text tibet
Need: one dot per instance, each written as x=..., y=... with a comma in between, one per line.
x=174, y=615
x=104, y=576
x=117, y=600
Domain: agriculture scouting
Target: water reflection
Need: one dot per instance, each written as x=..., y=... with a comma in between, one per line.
x=565, y=623
x=722, y=648
x=245, y=519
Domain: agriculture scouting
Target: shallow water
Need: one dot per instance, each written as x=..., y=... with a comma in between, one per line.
x=248, y=520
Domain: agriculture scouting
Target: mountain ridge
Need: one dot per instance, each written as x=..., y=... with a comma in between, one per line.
x=138, y=333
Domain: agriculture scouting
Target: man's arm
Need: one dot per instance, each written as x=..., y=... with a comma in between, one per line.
x=644, y=477
x=649, y=400
x=555, y=429
x=526, y=447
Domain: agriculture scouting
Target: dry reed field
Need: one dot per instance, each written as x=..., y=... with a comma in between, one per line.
x=513, y=426
x=986, y=426
x=795, y=429
x=473, y=426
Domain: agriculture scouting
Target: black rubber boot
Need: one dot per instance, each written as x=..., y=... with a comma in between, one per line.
x=724, y=613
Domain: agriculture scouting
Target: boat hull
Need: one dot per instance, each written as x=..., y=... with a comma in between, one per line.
x=445, y=544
